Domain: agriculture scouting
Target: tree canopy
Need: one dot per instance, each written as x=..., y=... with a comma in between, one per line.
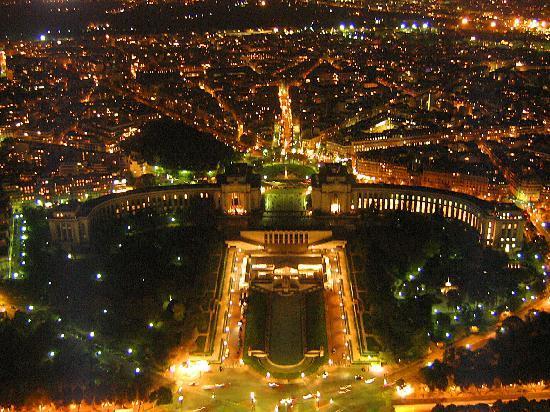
x=176, y=146
x=103, y=325
x=520, y=353
x=403, y=261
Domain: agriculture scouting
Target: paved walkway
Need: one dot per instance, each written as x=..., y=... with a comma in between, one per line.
x=346, y=289
x=219, y=337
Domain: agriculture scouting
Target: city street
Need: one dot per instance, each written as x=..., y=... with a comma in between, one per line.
x=411, y=372
x=347, y=394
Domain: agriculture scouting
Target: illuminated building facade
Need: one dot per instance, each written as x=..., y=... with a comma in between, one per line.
x=479, y=186
x=334, y=192
x=236, y=193
x=3, y=64
x=500, y=225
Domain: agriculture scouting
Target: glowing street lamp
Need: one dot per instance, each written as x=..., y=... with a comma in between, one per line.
x=404, y=391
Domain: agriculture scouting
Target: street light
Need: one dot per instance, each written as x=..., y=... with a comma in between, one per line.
x=253, y=400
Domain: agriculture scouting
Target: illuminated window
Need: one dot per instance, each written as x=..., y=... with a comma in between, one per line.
x=234, y=199
x=335, y=205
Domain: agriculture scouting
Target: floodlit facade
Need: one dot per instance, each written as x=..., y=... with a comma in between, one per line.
x=334, y=192
x=236, y=193
x=500, y=225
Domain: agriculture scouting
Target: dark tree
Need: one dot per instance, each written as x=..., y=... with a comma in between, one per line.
x=176, y=146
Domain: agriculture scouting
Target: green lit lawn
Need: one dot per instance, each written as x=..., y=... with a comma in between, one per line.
x=316, y=333
x=286, y=342
x=285, y=200
x=256, y=317
x=296, y=171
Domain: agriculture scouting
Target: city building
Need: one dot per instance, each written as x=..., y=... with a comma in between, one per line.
x=335, y=191
x=3, y=64
x=237, y=192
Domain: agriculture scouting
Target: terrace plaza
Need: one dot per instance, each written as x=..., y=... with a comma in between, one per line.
x=289, y=293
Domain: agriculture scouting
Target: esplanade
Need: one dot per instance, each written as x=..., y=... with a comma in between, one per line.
x=334, y=192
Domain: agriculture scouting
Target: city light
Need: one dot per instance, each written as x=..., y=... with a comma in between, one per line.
x=288, y=188
x=190, y=369
x=404, y=391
